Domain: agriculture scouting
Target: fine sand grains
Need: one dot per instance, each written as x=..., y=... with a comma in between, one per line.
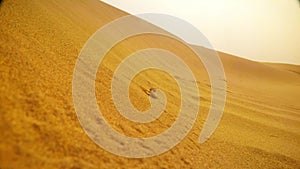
x=39, y=45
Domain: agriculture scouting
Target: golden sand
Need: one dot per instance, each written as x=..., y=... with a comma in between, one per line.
x=39, y=44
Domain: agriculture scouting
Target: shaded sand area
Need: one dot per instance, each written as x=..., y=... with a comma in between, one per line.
x=39, y=44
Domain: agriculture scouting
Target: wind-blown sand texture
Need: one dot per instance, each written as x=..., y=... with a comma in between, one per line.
x=39, y=44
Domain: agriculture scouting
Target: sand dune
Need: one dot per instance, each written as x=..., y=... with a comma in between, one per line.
x=39, y=44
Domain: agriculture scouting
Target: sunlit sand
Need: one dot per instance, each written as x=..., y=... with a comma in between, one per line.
x=39, y=44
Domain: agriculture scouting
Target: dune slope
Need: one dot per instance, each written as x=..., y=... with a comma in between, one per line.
x=39, y=44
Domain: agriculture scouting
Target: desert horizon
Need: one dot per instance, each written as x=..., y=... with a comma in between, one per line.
x=39, y=46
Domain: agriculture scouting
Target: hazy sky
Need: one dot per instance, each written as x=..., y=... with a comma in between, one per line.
x=261, y=30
